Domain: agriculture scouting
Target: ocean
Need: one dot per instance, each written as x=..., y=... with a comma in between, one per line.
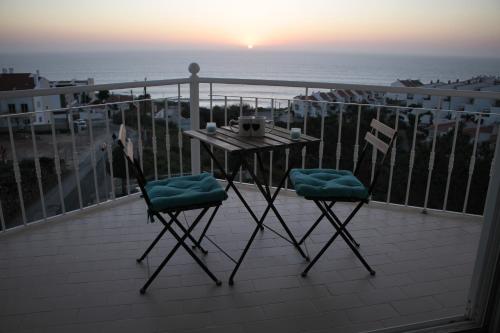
x=110, y=67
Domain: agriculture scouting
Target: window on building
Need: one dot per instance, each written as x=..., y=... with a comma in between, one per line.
x=12, y=108
x=24, y=108
x=38, y=104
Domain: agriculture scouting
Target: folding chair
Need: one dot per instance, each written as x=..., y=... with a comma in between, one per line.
x=328, y=186
x=172, y=196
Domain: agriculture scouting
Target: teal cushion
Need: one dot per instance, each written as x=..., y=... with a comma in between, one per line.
x=178, y=192
x=327, y=183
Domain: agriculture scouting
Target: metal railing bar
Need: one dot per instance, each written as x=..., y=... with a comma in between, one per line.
x=93, y=157
x=17, y=172
x=348, y=86
x=472, y=164
x=76, y=160
x=95, y=87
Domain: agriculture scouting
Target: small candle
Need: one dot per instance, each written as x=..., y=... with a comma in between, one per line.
x=211, y=127
x=295, y=133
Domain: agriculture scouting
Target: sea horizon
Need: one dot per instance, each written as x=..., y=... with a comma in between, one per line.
x=316, y=66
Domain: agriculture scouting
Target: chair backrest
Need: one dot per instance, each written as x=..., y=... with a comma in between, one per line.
x=128, y=151
x=372, y=139
x=122, y=135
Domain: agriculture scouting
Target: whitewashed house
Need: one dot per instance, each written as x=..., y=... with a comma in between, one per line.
x=409, y=98
x=22, y=81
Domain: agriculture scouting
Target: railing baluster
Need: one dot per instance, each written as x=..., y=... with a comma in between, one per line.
x=304, y=150
x=2, y=218
x=393, y=159
x=287, y=150
x=139, y=135
x=339, y=137
x=494, y=160
x=271, y=152
x=153, y=138
x=432, y=156
x=17, y=171
x=179, y=132
x=225, y=124
x=127, y=175
x=412, y=159
x=76, y=160
x=109, y=151
x=322, y=135
x=93, y=157
x=374, y=151
x=38, y=170
x=255, y=155
x=472, y=164
x=451, y=161
x=211, y=120
x=167, y=137
x=356, y=143
x=241, y=114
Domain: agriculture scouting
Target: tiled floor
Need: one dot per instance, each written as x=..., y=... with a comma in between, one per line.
x=80, y=275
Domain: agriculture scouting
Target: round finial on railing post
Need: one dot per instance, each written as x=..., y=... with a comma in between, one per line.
x=194, y=68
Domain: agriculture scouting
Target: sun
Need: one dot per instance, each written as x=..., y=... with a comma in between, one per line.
x=250, y=46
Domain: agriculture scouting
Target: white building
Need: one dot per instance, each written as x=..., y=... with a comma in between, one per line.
x=22, y=81
x=76, y=98
x=409, y=98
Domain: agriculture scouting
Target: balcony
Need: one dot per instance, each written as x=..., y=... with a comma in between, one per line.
x=72, y=223
x=80, y=274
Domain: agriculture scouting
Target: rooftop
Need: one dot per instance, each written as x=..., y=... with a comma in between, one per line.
x=79, y=274
x=16, y=81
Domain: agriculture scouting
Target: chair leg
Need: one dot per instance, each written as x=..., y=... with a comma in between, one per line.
x=339, y=232
x=207, y=226
x=180, y=242
x=320, y=218
x=150, y=247
x=339, y=223
x=179, y=224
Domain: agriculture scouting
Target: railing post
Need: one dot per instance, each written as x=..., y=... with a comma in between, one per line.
x=194, y=113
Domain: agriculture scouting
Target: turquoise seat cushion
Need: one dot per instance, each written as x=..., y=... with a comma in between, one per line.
x=178, y=192
x=328, y=183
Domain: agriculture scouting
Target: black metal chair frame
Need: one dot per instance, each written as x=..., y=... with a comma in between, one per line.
x=172, y=213
x=325, y=204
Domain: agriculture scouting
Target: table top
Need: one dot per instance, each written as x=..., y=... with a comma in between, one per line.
x=226, y=139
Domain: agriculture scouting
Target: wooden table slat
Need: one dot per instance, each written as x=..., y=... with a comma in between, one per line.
x=260, y=142
x=212, y=140
x=222, y=135
x=226, y=139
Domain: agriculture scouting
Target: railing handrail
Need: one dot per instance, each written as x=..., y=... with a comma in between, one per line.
x=254, y=82
x=350, y=86
x=95, y=87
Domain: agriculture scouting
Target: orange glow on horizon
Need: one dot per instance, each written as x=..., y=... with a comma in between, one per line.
x=279, y=24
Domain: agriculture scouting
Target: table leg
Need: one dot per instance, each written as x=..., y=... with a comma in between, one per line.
x=230, y=179
x=270, y=202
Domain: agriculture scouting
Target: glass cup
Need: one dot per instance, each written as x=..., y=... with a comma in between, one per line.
x=295, y=133
x=211, y=128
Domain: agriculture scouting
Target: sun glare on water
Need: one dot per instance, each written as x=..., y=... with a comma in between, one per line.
x=250, y=46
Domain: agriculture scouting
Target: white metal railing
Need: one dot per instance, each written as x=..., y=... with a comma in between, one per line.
x=96, y=152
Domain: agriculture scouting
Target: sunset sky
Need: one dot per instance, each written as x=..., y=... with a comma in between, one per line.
x=456, y=27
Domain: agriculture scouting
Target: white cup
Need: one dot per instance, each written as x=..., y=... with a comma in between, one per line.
x=244, y=125
x=259, y=126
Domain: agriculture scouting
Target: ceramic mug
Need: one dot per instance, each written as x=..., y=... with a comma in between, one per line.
x=244, y=125
x=259, y=126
